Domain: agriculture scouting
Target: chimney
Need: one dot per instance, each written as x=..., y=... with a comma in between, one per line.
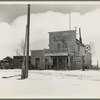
x=80, y=38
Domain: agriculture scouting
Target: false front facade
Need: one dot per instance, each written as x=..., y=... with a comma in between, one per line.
x=65, y=52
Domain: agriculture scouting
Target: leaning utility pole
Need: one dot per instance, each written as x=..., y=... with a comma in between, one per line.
x=27, y=42
x=23, y=73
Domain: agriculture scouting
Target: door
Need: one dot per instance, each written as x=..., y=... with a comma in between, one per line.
x=54, y=63
x=37, y=62
x=61, y=63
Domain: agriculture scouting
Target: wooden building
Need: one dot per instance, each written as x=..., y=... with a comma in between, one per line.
x=6, y=63
x=17, y=62
x=65, y=52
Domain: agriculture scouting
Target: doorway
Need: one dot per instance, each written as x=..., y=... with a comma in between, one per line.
x=54, y=63
x=61, y=63
x=37, y=62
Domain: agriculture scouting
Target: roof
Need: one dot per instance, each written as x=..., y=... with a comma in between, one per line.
x=57, y=54
x=62, y=31
x=38, y=50
x=7, y=59
x=19, y=57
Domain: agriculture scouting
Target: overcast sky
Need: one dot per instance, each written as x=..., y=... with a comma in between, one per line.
x=10, y=12
x=46, y=18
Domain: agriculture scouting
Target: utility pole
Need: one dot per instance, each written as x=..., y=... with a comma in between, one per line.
x=23, y=73
x=69, y=21
x=25, y=63
x=27, y=40
x=97, y=64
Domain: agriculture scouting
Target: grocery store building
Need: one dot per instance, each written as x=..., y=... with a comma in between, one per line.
x=65, y=52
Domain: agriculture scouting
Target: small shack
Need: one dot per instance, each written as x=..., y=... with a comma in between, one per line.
x=6, y=63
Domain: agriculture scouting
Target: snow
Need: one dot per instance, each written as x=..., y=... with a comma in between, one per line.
x=50, y=84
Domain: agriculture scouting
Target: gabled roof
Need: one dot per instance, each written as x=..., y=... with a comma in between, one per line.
x=7, y=59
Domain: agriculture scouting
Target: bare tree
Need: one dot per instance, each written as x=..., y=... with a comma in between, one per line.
x=92, y=48
x=19, y=52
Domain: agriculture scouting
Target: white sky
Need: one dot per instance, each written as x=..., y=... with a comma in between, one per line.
x=11, y=34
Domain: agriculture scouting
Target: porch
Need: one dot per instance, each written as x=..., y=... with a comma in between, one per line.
x=64, y=61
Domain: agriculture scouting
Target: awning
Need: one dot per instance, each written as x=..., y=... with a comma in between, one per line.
x=56, y=54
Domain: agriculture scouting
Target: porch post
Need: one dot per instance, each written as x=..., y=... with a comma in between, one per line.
x=57, y=64
x=69, y=61
x=51, y=62
x=65, y=63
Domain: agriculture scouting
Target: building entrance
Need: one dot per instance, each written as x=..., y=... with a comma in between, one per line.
x=54, y=63
x=37, y=62
x=60, y=62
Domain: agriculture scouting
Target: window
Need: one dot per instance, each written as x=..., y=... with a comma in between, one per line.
x=46, y=60
x=71, y=59
x=59, y=45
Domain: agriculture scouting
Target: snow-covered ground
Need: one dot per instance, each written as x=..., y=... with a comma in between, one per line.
x=50, y=84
